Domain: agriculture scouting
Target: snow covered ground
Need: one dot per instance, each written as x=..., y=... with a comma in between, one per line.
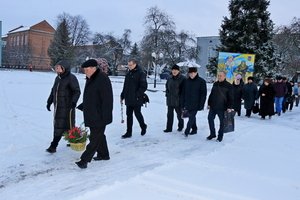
x=260, y=160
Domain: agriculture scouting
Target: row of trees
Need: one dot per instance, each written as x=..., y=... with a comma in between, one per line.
x=73, y=40
x=248, y=29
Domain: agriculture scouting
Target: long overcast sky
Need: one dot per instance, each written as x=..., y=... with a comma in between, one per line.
x=198, y=17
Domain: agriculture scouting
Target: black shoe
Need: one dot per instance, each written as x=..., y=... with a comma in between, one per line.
x=101, y=158
x=51, y=150
x=68, y=145
x=167, y=131
x=143, y=132
x=263, y=118
x=81, y=164
x=193, y=132
x=126, y=135
x=210, y=137
x=179, y=129
x=278, y=114
x=186, y=134
x=219, y=139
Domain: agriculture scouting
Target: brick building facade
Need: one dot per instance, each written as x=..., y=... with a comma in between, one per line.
x=28, y=46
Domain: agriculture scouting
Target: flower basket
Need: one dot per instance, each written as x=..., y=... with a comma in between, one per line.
x=78, y=146
x=77, y=137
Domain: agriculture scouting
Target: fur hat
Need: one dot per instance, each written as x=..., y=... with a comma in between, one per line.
x=192, y=69
x=175, y=67
x=89, y=63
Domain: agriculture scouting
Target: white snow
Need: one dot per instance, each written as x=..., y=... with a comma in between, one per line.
x=260, y=160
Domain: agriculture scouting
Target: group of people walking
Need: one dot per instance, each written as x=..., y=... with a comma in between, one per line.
x=186, y=95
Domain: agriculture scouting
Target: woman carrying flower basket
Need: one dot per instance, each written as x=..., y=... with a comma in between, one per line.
x=97, y=109
x=64, y=95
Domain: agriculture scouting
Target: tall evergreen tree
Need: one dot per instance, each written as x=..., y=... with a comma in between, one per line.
x=249, y=29
x=61, y=46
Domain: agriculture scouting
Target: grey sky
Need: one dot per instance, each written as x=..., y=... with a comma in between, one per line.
x=198, y=17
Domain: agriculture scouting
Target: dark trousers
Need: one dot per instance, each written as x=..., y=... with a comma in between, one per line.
x=138, y=115
x=170, y=117
x=58, y=133
x=97, y=144
x=248, y=112
x=192, y=122
x=211, y=122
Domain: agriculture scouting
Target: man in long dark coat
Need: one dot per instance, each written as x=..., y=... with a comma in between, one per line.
x=64, y=95
x=250, y=94
x=97, y=107
x=174, y=87
x=134, y=87
x=219, y=101
x=194, y=96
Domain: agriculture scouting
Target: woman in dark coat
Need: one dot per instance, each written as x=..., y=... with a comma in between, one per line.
x=250, y=94
x=237, y=94
x=64, y=95
x=266, y=94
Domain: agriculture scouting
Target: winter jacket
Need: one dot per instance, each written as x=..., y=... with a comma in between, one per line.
x=296, y=89
x=250, y=94
x=97, y=105
x=280, y=89
x=237, y=96
x=221, y=96
x=194, y=94
x=134, y=87
x=174, y=87
x=266, y=101
x=64, y=93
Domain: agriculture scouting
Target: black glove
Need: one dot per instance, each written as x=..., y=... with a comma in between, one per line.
x=48, y=107
x=73, y=106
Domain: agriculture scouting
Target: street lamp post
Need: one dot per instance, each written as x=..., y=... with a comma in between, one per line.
x=155, y=56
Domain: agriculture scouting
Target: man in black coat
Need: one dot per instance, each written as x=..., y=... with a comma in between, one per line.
x=174, y=87
x=97, y=109
x=219, y=100
x=194, y=96
x=134, y=87
x=64, y=95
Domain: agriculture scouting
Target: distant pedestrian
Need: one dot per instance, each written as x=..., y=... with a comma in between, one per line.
x=97, y=107
x=266, y=95
x=237, y=94
x=64, y=95
x=194, y=96
x=296, y=93
x=219, y=101
x=174, y=88
x=280, y=91
x=250, y=94
x=134, y=87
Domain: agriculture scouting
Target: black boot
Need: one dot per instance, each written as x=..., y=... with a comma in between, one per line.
x=81, y=164
x=101, y=158
x=126, y=135
x=51, y=149
x=210, y=137
x=143, y=132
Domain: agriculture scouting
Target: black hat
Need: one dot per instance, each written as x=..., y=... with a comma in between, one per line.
x=66, y=64
x=192, y=69
x=89, y=63
x=279, y=77
x=175, y=67
x=250, y=78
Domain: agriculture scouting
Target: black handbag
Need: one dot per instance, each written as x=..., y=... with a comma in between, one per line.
x=185, y=113
x=145, y=99
x=228, y=121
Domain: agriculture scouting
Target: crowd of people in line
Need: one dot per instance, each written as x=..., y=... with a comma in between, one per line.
x=186, y=95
